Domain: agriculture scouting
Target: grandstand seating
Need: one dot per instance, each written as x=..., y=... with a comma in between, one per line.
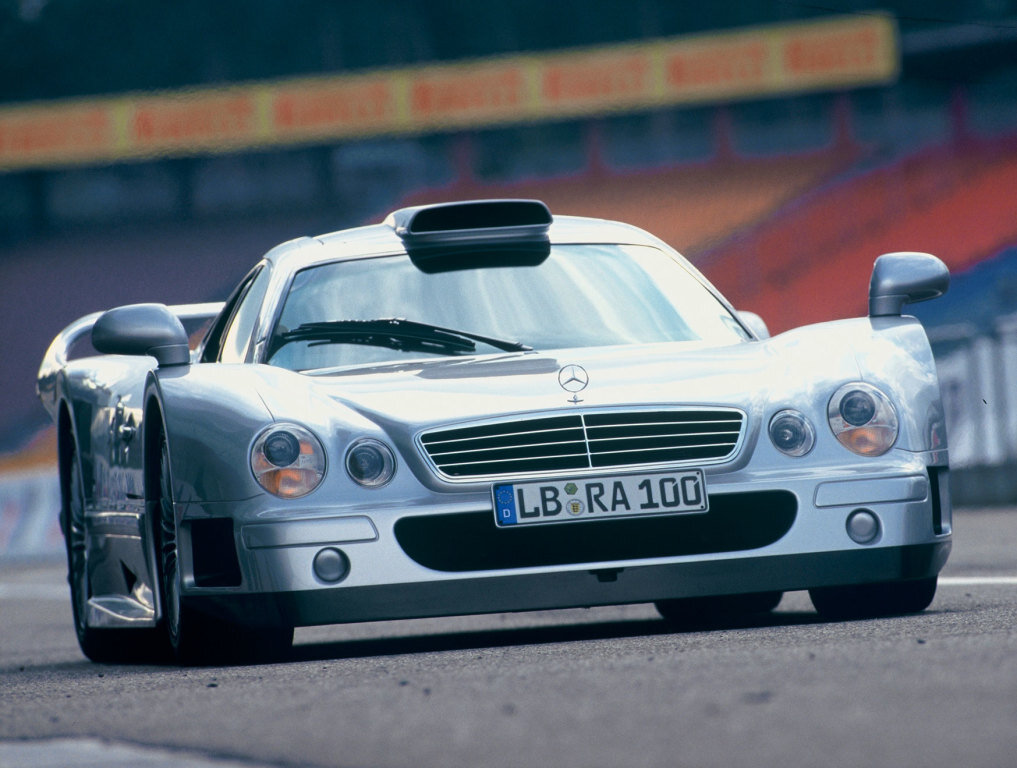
x=954, y=201
x=690, y=207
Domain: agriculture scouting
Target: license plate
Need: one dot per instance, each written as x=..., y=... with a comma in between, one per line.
x=596, y=498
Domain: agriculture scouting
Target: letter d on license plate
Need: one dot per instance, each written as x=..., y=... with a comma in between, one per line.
x=594, y=498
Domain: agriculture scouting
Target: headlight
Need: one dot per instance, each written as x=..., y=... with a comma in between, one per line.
x=370, y=463
x=792, y=433
x=288, y=461
x=863, y=419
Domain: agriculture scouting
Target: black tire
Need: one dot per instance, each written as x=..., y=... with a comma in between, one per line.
x=862, y=601
x=695, y=611
x=112, y=646
x=198, y=638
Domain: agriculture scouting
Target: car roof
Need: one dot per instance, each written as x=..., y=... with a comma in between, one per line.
x=381, y=239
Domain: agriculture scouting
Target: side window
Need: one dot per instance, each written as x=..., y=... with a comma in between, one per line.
x=213, y=340
x=237, y=341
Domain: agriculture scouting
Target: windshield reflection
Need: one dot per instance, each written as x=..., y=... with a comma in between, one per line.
x=580, y=296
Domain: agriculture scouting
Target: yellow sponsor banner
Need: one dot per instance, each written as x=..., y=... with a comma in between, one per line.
x=711, y=69
x=601, y=80
x=184, y=122
x=323, y=109
x=768, y=60
x=786, y=59
x=479, y=93
x=53, y=134
x=840, y=53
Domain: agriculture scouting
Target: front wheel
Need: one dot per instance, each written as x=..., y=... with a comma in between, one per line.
x=861, y=601
x=101, y=645
x=194, y=637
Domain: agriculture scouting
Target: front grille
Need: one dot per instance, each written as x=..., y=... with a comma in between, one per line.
x=596, y=440
x=470, y=541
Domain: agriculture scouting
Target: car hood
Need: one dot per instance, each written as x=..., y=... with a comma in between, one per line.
x=447, y=391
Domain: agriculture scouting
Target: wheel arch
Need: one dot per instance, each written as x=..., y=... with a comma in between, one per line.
x=66, y=447
x=153, y=432
x=155, y=429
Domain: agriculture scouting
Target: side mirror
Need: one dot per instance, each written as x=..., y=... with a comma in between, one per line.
x=755, y=323
x=142, y=329
x=905, y=278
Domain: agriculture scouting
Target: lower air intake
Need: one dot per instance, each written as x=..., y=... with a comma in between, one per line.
x=470, y=541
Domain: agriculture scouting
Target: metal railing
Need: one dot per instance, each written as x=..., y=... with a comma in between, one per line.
x=978, y=378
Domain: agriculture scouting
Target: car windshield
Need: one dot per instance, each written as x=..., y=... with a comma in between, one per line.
x=579, y=296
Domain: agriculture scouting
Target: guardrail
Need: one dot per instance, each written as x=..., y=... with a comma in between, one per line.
x=978, y=377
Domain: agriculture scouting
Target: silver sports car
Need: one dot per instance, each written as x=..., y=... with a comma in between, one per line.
x=478, y=407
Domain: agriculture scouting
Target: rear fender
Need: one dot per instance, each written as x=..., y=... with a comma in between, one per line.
x=58, y=354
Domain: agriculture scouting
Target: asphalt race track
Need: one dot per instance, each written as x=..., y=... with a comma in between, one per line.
x=603, y=687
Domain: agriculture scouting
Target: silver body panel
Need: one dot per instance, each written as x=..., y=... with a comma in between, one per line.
x=212, y=412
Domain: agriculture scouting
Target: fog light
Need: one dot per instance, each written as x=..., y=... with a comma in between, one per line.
x=331, y=565
x=862, y=526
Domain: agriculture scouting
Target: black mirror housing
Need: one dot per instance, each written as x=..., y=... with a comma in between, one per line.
x=905, y=277
x=142, y=329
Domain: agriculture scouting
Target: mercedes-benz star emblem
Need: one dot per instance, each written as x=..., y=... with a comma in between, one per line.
x=573, y=378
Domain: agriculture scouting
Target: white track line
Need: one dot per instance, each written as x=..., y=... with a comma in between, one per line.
x=978, y=581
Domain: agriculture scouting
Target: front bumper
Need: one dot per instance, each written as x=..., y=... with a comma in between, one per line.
x=454, y=561
x=572, y=589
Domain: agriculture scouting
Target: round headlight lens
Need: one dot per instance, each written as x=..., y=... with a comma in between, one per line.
x=863, y=419
x=792, y=433
x=281, y=448
x=288, y=461
x=370, y=463
x=857, y=408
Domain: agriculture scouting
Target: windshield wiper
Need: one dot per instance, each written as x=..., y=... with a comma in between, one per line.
x=394, y=333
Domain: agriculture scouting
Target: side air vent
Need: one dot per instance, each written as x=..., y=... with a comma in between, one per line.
x=599, y=440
